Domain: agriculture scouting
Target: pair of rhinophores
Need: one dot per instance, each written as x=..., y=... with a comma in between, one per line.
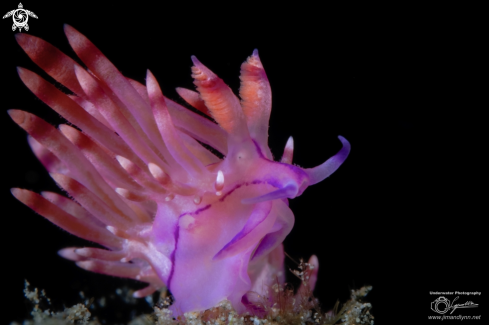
x=169, y=211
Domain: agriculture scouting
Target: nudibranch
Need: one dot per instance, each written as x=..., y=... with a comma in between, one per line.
x=168, y=211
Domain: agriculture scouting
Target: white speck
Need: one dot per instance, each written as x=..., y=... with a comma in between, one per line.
x=186, y=221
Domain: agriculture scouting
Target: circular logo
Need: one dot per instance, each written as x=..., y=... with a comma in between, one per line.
x=440, y=305
x=20, y=18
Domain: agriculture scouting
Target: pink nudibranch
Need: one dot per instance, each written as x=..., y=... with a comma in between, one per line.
x=169, y=211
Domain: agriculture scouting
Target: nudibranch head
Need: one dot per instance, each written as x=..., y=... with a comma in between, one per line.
x=169, y=211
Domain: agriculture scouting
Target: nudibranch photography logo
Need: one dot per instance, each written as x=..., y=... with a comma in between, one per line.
x=443, y=305
x=20, y=16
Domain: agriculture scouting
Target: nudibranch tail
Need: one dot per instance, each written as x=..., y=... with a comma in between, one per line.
x=144, y=185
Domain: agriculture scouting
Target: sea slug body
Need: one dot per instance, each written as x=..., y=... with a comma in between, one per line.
x=169, y=211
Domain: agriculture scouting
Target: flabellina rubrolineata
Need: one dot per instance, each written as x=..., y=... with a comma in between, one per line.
x=168, y=211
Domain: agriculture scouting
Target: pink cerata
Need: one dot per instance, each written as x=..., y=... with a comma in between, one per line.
x=169, y=211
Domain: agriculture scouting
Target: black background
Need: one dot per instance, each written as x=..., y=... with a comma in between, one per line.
x=403, y=85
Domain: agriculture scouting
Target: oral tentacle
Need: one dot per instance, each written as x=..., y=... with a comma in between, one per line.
x=321, y=172
x=288, y=191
